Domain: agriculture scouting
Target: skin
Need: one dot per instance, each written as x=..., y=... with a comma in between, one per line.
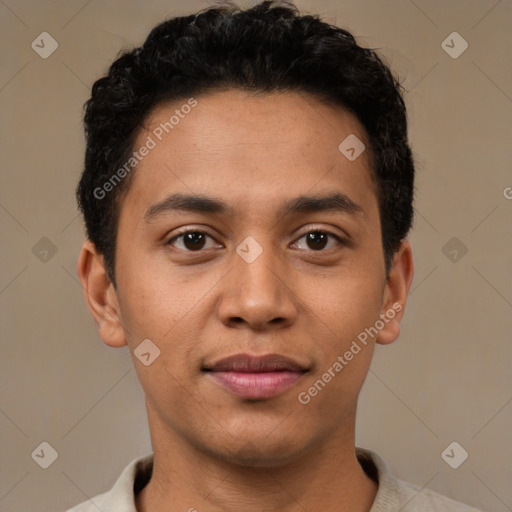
x=214, y=451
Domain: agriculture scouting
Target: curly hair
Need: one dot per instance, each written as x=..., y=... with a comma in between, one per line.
x=270, y=47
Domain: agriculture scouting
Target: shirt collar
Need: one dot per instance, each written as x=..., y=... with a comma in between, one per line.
x=138, y=473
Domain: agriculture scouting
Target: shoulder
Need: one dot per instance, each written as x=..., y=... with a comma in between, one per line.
x=394, y=494
x=92, y=505
x=419, y=500
x=121, y=498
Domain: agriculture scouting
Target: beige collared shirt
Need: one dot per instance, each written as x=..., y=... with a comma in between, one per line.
x=393, y=495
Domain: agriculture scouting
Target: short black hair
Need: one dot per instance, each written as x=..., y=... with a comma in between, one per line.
x=269, y=47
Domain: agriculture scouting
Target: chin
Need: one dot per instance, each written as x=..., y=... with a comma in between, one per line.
x=257, y=450
x=251, y=456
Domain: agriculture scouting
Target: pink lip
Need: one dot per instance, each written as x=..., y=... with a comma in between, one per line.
x=256, y=385
x=256, y=377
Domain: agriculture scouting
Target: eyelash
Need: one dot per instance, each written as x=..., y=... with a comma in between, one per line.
x=337, y=237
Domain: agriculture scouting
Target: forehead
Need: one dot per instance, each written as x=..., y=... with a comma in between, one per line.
x=252, y=149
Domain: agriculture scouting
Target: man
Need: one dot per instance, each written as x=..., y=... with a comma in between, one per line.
x=247, y=193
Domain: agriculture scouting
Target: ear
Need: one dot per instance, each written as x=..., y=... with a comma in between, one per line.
x=395, y=293
x=100, y=295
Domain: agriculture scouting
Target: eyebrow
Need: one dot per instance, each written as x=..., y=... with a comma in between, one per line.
x=335, y=202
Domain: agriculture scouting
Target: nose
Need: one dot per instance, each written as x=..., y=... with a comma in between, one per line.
x=257, y=294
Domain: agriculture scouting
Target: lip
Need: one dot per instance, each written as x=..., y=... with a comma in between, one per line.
x=256, y=377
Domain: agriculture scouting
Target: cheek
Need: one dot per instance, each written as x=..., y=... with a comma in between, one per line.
x=172, y=309
x=155, y=300
x=343, y=351
x=349, y=301
x=345, y=309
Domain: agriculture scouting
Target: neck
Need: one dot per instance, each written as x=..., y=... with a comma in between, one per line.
x=185, y=478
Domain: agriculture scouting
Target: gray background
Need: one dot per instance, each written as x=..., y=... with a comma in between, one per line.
x=448, y=376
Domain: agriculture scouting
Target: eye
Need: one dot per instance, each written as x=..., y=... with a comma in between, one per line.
x=191, y=240
x=194, y=240
x=317, y=240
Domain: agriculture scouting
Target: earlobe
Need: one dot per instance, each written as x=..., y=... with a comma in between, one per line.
x=395, y=293
x=100, y=295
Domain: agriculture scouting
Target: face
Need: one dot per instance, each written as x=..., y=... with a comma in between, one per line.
x=281, y=256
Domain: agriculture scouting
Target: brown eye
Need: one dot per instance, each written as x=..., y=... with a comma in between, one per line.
x=193, y=241
x=318, y=240
x=190, y=240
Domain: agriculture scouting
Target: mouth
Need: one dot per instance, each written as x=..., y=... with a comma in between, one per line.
x=255, y=377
